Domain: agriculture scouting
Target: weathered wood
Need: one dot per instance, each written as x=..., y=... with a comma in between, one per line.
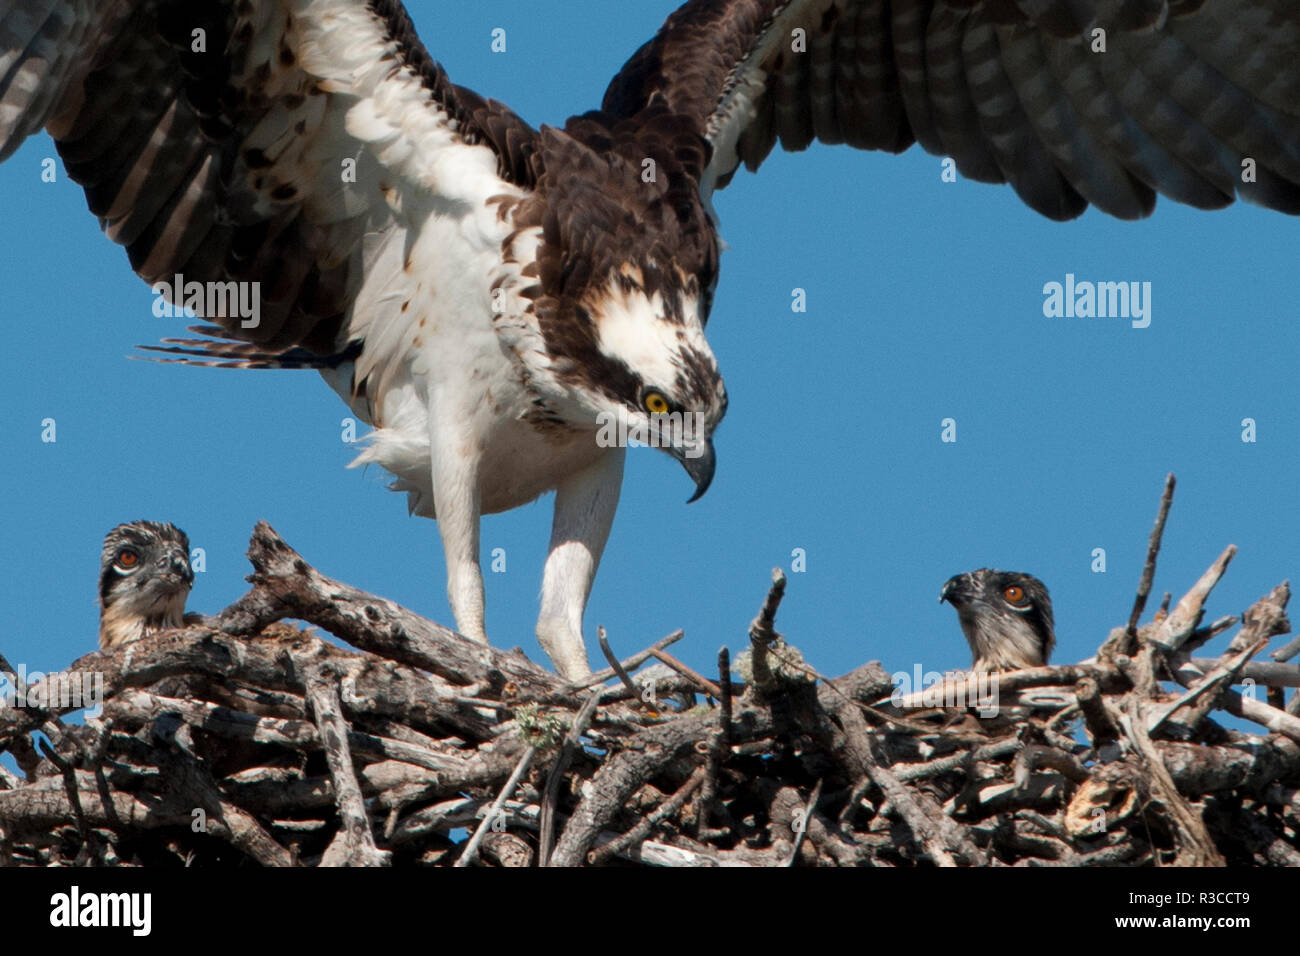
x=572, y=743
x=190, y=781
x=295, y=752
x=286, y=586
x=1149, y=567
x=354, y=844
x=470, y=853
x=1175, y=629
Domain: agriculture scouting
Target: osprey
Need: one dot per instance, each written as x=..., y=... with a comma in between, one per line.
x=489, y=296
x=1006, y=617
x=144, y=580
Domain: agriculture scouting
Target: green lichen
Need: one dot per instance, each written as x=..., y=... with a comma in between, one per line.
x=540, y=728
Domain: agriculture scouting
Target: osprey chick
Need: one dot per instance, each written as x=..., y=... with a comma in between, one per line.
x=1006, y=617
x=144, y=579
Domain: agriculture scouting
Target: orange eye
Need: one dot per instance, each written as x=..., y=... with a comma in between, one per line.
x=1015, y=594
x=127, y=559
x=655, y=403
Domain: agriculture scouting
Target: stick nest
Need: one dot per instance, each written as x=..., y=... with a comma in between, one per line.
x=245, y=739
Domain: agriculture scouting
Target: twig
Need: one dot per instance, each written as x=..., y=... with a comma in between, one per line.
x=762, y=628
x=935, y=831
x=354, y=845
x=1203, y=634
x=1174, y=630
x=762, y=632
x=1153, y=550
x=1195, y=846
x=802, y=831
x=1101, y=728
x=630, y=664
x=188, y=778
x=618, y=668
x=647, y=824
x=572, y=743
x=69, y=775
x=724, y=699
x=1276, y=720
x=1265, y=619
x=1202, y=695
x=718, y=742
x=645, y=753
x=703, y=683
x=470, y=853
x=940, y=765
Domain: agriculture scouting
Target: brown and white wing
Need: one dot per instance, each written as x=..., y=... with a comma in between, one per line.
x=1070, y=101
x=292, y=143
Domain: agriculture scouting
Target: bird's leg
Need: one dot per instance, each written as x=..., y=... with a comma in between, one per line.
x=584, y=511
x=456, y=502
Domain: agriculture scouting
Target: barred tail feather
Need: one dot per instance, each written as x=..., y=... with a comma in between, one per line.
x=226, y=353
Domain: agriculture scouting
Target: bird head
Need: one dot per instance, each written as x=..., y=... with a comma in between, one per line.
x=1005, y=615
x=630, y=363
x=626, y=269
x=144, y=576
x=673, y=397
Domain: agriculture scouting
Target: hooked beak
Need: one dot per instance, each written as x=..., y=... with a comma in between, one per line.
x=176, y=563
x=699, y=461
x=952, y=588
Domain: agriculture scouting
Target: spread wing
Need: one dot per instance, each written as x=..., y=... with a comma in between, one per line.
x=292, y=143
x=1070, y=101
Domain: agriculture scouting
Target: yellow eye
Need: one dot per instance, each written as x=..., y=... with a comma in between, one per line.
x=1015, y=594
x=655, y=403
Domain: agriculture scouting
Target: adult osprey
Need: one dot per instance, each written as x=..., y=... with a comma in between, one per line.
x=486, y=294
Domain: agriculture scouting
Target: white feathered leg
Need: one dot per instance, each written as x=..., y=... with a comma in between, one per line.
x=457, y=503
x=584, y=512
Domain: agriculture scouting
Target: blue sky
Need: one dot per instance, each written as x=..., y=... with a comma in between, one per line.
x=924, y=302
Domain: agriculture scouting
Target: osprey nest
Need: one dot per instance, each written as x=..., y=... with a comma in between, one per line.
x=247, y=740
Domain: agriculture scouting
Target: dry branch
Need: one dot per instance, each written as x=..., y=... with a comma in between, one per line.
x=293, y=751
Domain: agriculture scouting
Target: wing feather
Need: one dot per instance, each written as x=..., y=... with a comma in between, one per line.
x=867, y=87
x=959, y=117
x=1072, y=102
x=823, y=79
x=1074, y=170
x=255, y=140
